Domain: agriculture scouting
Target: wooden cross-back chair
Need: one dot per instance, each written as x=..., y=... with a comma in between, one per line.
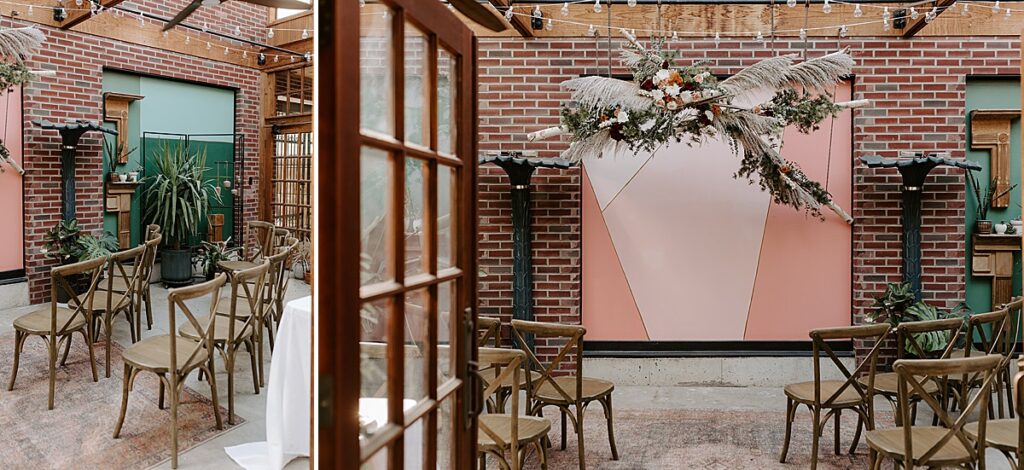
x=1006, y=435
x=144, y=292
x=125, y=266
x=545, y=387
x=834, y=396
x=247, y=291
x=508, y=434
x=948, y=330
x=936, y=446
x=56, y=324
x=989, y=332
x=1014, y=328
x=280, y=279
x=262, y=247
x=172, y=358
x=489, y=335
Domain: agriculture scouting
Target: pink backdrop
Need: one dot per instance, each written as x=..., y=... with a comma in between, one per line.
x=11, y=220
x=674, y=248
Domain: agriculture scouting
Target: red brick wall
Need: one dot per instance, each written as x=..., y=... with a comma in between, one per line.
x=75, y=92
x=918, y=89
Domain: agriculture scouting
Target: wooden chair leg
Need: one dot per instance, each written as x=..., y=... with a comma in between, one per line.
x=107, y=330
x=563, y=427
x=251, y=349
x=836, y=432
x=606, y=403
x=67, y=349
x=92, y=354
x=542, y=454
x=229, y=366
x=579, y=434
x=259, y=351
x=856, y=434
x=815, y=437
x=213, y=393
x=790, y=411
x=174, y=422
x=19, y=339
x=160, y=403
x=124, y=400
x=51, y=352
x=1009, y=391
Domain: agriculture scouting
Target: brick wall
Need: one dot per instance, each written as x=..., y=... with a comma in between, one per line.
x=918, y=90
x=75, y=92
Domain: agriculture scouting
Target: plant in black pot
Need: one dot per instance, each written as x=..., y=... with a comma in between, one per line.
x=209, y=254
x=67, y=244
x=177, y=197
x=984, y=200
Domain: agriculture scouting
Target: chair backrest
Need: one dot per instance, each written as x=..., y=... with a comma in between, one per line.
x=247, y=285
x=989, y=331
x=152, y=230
x=264, y=238
x=867, y=367
x=489, y=330
x=127, y=265
x=573, y=336
x=281, y=281
x=149, y=259
x=1015, y=325
x=507, y=363
x=913, y=374
x=942, y=333
x=89, y=270
x=176, y=299
x=281, y=236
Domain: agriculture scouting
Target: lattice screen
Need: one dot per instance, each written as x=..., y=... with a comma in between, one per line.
x=292, y=193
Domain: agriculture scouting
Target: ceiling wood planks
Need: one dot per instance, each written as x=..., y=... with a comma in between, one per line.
x=917, y=25
x=519, y=22
x=78, y=16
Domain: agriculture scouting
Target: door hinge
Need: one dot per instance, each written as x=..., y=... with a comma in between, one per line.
x=325, y=400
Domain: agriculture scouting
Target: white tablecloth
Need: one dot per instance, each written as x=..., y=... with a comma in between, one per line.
x=288, y=394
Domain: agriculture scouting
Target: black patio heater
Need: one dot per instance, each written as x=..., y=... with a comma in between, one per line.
x=520, y=169
x=914, y=168
x=70, y=133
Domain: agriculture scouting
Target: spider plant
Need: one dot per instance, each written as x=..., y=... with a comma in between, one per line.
x=178, y=194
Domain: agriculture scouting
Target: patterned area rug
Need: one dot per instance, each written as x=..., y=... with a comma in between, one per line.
x=701, y=439
x=78, y=432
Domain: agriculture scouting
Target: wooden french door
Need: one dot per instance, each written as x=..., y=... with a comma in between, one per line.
x=396, y=235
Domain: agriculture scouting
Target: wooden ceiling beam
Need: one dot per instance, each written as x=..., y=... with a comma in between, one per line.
x=520, y=23
x=920, y=22
x=75, y=17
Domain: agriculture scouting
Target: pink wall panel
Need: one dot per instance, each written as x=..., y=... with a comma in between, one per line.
x=618, y=317
x=803, y=276
x=11, y=220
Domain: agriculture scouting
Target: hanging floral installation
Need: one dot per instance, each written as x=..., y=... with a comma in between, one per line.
x=16, y=46
x=665, y=103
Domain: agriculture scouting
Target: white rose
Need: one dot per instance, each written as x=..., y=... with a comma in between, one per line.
x=672, y=90
x=672, y=106
x=662, y=75
x=622, y=116
x=657, y=94
x=686, y=96
x=710, y=115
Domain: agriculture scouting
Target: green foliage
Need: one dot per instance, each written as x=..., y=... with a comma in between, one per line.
x=66, y=243
x=111, y=150
x=892, y=305
x=178, y=194
x=13, y=74
x=985, y=202
x=209, y=254
x=930, y=341
x=801, y=109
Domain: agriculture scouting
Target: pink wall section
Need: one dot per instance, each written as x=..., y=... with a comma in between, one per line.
x=12, y=255
x=675, y=249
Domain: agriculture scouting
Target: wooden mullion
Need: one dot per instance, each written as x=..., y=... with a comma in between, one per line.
x=430, y=255
x=396, y=323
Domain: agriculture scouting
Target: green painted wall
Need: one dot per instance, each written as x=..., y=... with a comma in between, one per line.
x=175, y=107
x=992, y=94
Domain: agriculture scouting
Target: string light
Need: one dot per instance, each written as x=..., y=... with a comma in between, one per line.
x=238, y=31
x=591, y=31
x=165, y=34
x=208, y=45
x=508, y=14
x=675, y=36
x=718, y=39
x=803, y=34
x=307, y=56
x=995, y=7
x=362, y=3
x=206, y=26
x=631, y=3
x=791, y=3
x=565, y=9
x=597, y=6
x=188, y=39
x=886, y=17
x=759, y=37
x=537, y=13
x=270, y=33
x=142, y=21
x=913, y=13
x=305, y=34
x=225, y=51
x=30, y=10
x=1007, y=15
x=965, y=11
x=928, y=17
x=276, y=58
x=857, y=12
x=843, y=30
x=826, y=8
x=78, y=2
x=245, y=54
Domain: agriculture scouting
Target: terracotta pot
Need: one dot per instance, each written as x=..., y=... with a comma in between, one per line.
x=983, y=227
x=308, y=277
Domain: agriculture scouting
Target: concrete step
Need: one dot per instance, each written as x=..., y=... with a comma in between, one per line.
x=13, y=295
x=710, y=371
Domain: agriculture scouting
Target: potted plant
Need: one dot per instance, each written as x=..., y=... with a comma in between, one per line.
x=177, y=197
x=209, y=254
x=981, y=224
x=66, y=243
x=112, y=151
x=1015, y=227
x=301, y=266
x=898, y=305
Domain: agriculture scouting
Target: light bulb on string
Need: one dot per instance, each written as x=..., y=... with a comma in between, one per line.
x=995, y=7
x=718, y=39
x=965, y=10
x=591, y=31
x=537, y=13
x=565, y=9
x=208, y=45
x=305, y=34
x=245, y=54
x=631, y=3
x=276, y=58
x=238, y=31
x=791, y=3
x=188, y=39
x=362, y=3
x=307, y=56
x=843, y=31
x=78, y=2
x=857, y=12
x=225, y=51
x=826, y=8
x=206, y=26
x=165, y=34
x=675, y=36
x=508, y=14
x=30, y=10
x=759, y=37
x=913, y=13
x=549, y=25
x=142, y=21
x=597, y=6
x=803, y=34
x=1006, y=16
x=885, y=26
x=270, y=33
x=886, y=16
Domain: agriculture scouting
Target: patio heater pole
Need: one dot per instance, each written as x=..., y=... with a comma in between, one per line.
x=914, y=171
x=520, y=170
x=70, y=133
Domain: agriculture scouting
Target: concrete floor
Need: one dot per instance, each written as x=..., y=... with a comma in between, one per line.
x=209, y=455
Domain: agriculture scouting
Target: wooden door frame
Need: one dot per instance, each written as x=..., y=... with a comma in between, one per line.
x=336, y=290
